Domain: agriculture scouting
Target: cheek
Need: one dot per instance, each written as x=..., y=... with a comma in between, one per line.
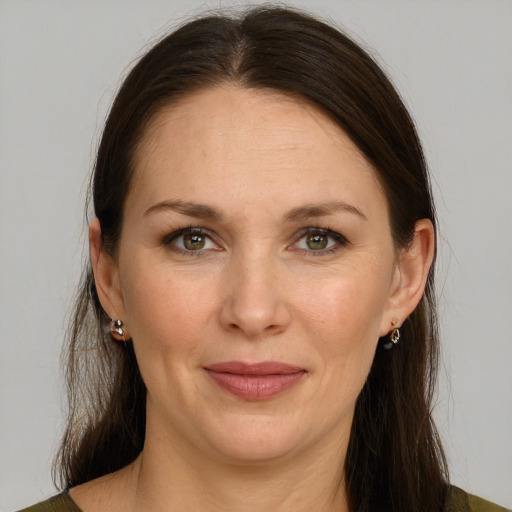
x=169, y=320
x=343, y=319
x=166, y=313
x=349, y=307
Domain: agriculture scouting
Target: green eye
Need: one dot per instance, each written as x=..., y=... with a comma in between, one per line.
x=320, y=241
x=317, y=241
x=194, y=241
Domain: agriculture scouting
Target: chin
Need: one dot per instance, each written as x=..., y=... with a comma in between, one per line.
x=257, y=440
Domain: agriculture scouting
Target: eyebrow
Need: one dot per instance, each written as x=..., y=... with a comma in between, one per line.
x=203, y=211
x=321, y=210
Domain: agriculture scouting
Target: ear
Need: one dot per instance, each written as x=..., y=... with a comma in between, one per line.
x=410, y=277
x=106, y=274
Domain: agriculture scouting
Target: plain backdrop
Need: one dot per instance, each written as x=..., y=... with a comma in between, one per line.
x=61, y=63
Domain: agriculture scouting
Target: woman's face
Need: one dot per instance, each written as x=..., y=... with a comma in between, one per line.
x=255, y=273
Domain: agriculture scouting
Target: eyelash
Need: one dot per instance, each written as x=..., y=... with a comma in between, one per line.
x=338, y=239
x=170, y=239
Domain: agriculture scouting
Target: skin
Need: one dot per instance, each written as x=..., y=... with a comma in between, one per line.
x=256, y=291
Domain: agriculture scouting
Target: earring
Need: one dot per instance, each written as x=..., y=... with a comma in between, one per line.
x=394, y=336
x=116, y=330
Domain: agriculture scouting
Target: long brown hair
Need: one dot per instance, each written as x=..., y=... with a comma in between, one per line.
x=394, y=460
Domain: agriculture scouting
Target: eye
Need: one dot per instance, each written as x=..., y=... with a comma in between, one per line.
x=193, y=241
x=189, y=240
x=320, y=241
x=317, y=241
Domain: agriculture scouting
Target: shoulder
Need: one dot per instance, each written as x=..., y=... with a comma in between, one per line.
x=60, y=503
x=461, y=501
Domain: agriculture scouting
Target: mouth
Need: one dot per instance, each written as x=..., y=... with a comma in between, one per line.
x=255, y=381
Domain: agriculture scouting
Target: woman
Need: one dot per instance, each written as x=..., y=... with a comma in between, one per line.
x=257, y=330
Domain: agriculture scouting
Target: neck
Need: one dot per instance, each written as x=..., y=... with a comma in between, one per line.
x=171, y=474
x=166, y=481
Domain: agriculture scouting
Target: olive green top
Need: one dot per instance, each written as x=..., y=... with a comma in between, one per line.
x=60, y=503
x=459, y=501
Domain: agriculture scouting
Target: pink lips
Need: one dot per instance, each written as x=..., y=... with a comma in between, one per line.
x=258, y=381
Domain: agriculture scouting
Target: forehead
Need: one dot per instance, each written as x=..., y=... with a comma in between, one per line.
x=239, y=143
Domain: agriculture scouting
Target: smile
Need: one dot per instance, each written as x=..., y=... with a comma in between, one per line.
x=253, y=382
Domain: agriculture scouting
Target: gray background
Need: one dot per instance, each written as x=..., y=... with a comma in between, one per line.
x=60, y=63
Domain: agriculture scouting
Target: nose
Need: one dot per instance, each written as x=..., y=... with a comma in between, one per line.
x=255, y=302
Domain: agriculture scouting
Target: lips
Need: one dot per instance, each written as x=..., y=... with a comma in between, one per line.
x=256, y=381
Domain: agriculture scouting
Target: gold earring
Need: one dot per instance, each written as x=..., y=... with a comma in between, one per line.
x=393, y=338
